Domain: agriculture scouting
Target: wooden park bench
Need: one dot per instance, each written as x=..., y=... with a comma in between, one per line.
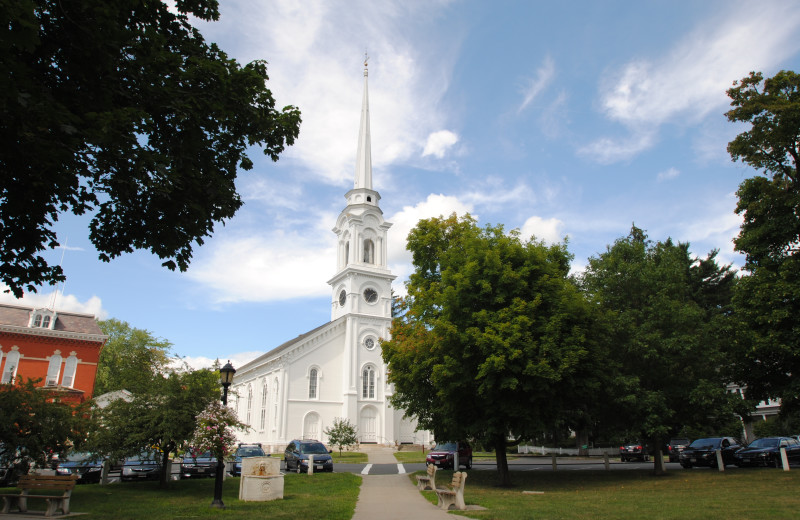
x=427, y=481
x=59, y=488
x=453, y=498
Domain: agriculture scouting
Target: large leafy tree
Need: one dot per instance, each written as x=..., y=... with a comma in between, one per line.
x=130, y=359
x=120, y=108
x=492, y=336
x=161, y=419
x=768, y=299
x=37, y=426
x=668, y=314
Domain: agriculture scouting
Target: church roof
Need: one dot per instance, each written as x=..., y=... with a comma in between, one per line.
x=280, y=349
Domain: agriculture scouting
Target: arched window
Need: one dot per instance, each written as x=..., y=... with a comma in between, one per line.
x=70, y=366
x=275, y=397
x=249, y=403
x=346, y=253
x=37, y=321
x=264, y=405
x=53, y=369
x=312, y=384
x=46, y=322
x=368, y=383
x=369, y=251
x=10, y=370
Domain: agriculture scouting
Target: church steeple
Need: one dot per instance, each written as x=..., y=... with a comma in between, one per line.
x=364, y=155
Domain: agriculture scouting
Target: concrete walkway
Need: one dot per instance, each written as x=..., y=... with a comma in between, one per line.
x=391, y=497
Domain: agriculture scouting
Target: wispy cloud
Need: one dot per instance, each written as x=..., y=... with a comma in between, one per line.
x=668, y=174
x=537, y=84
x=689, y=82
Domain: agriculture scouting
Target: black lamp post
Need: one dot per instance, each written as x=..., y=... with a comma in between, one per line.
x=225, y=379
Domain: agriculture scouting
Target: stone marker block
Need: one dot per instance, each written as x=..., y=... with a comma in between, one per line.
x=260, y=489
x=261, y=466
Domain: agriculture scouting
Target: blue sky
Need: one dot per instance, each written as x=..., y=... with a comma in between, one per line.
x=561, y=119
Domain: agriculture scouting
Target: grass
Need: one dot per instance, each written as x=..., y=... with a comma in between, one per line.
x=349, y=457
x=632, y=494
x=409, y=457
x=322, y=495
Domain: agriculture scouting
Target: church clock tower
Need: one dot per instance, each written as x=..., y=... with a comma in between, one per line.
x=362, y=294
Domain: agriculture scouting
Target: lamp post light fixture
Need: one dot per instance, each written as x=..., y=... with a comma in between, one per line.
x=225, y=379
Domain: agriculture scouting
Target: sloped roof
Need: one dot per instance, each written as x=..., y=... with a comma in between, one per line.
x=77, y=323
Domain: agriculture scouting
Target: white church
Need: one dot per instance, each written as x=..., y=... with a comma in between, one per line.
x=296, y=390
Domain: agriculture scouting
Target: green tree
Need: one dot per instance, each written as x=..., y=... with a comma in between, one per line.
x=668, y=315
x=161, y=419
x=493, y=332
x=768, y=298
x=120, y=108
x=342, y=433
x=130, y=359
x=37, y=426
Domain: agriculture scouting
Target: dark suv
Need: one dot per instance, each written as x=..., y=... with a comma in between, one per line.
x=198, y=464
x=297, y=452
x=245, y=450
x=675, y=447
x=634, y=451
x=443, y=455
x=703, y=452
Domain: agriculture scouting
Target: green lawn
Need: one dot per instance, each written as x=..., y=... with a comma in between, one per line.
x=408, y=457
x=349, y=457
x=322, y=495
x=632, y=494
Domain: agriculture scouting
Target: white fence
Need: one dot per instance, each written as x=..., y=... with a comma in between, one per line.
x=544, y=450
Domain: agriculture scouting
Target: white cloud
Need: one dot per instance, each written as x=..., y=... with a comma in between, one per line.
x=609, y=151
x=439, y=142
x=550, y=230
x=535, y=86
x=689, y=82
x=668, y=174
x=237, y=359
x=315, y=51
x=60, y=302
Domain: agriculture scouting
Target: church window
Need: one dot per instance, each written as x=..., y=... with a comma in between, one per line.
x=371, y=295
x=369, y=343
x=249, y=404
x=368, y=383
x=10, y=370
x=70, y=366
x=264, y=405
x=369, y=251
x=53, y=369
x=342, y=297
x=346, y=253
x=312, y=384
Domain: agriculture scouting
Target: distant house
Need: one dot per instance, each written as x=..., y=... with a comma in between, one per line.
x=59, y=348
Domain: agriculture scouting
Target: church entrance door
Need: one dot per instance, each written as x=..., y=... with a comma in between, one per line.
x=311, y=426
x=368, y=422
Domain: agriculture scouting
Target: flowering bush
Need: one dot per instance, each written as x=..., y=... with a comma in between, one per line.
x=215, y=430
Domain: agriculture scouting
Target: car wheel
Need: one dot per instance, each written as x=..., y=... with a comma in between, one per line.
x=686, y=465
x=624, y=459
x=776, y=462
x=646, y=458
x=297, y=467
x=469, y=463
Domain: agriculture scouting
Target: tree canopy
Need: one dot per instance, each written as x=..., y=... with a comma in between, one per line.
x=161, y=419
x=491, y=335
x=121, y=108
x=668, y=314
x=130, y=359
x=768, y=298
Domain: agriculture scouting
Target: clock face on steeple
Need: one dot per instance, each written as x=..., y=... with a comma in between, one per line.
x=371, y=295
x=342, y=297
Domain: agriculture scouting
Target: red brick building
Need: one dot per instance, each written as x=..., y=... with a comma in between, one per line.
x=60, y=348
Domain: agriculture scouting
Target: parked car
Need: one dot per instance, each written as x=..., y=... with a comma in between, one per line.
x=703, y=452
x=634, y=451
x=298, y=451
x=88, y=467
x=767, y=452
x=443, y=455
x=675, y=447
x=198, y=464
x=145, y=466
x=245, y=450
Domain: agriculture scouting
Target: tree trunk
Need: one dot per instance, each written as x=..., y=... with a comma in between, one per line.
x=658, y=457
x=165, y=468
x=503, y=476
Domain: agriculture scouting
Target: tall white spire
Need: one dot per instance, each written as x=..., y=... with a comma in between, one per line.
x=364, y=155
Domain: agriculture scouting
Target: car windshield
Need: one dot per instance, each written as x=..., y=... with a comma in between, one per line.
x=144, y=458
x=679, y=441
x=445, y=446
x=204, y=455
x=764, y=443
x=705, y=444
x=313, y=449
x=249, y=451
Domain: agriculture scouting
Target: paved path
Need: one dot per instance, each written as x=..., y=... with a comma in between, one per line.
x=391, y=497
